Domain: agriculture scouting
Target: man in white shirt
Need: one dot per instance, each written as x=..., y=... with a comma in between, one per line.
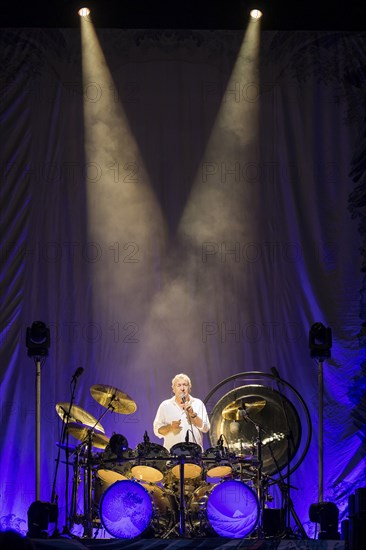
x=182, y=417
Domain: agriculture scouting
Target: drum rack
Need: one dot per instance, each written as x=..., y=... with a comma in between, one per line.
x=183, y=489
x=180, y=489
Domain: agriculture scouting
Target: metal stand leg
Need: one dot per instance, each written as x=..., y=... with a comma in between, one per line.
x=182, y=512
x=88, y=494
x=75, y=486
x=260, y=494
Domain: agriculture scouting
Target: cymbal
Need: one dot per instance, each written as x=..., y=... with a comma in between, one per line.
x=237, y=409
x=64, y=447
x=80, y=432
x=112, y=398
x=77, y=414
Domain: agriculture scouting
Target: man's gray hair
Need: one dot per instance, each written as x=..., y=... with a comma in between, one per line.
x=184, y=377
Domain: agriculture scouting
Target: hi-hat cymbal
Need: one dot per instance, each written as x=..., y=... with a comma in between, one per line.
x=82, y=433
x=237, y=409
x=77, y=414
x=112, y=398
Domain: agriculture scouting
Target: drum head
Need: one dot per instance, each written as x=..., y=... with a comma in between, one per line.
x=147, y=473
x=220, y=471
x=110, y=476
x=232, y=509
x=126, y=509
x=191, y=471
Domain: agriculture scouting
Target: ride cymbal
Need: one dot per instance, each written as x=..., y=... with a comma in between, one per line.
x=83, y=433
x=237, y=410
x=113, y=398
x=77, y=414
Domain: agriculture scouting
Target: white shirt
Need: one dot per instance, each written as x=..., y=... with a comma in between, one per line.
x=169, y=410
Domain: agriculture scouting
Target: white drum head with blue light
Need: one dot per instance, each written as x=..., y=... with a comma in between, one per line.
x=126, y=509
x=232, y=509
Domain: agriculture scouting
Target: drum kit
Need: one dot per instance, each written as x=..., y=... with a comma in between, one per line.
x=150, y=491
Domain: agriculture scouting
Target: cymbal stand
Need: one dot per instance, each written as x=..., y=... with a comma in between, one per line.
x=259, y=480
x=260, y=492
x=88, y=488
x=88, y=476
x=75, y=486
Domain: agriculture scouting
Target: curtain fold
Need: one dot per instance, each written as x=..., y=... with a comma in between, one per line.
x=143, y=292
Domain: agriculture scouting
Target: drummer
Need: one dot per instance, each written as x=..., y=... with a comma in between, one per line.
x=182, y=418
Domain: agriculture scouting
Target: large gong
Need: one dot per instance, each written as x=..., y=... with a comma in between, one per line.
x=260, y=411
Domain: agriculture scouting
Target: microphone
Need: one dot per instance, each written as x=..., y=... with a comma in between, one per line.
x=187, y=437
x=183, y=397
x=146, y=438
x=274, y=371
x=79, y=371
x=220, y=441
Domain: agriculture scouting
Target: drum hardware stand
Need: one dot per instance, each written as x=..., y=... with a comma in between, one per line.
x=260, y=480
x=88, y=476
x=260, y=492
x=285, y=489
x=182, y=517
x=75, y=486
x=88, y=489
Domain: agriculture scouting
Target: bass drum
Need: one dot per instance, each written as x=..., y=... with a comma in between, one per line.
x=129, y=509
x=228, y=509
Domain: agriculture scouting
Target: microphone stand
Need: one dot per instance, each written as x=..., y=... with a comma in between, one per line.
x=65, y=439
x=321, y=435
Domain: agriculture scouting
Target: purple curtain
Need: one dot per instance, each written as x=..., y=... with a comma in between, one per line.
x=129, y=295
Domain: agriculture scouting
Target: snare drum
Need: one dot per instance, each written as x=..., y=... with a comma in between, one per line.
x=151, y=462
x=189, y=455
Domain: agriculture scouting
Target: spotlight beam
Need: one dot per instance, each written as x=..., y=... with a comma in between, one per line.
x=220, y=200
x=123, y=213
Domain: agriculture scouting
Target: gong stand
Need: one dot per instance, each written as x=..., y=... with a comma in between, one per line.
x=285, y=485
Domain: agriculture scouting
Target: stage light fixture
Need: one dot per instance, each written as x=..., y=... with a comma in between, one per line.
x=256, y=14
x=84, y=12
x=320, y=340
x=327, y=514
x=38, y=339
x=40, y=514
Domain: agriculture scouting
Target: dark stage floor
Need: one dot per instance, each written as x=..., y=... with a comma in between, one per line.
x=187, y=544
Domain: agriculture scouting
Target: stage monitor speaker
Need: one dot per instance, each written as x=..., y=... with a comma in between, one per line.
x=40, y=514
x=273, y=524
